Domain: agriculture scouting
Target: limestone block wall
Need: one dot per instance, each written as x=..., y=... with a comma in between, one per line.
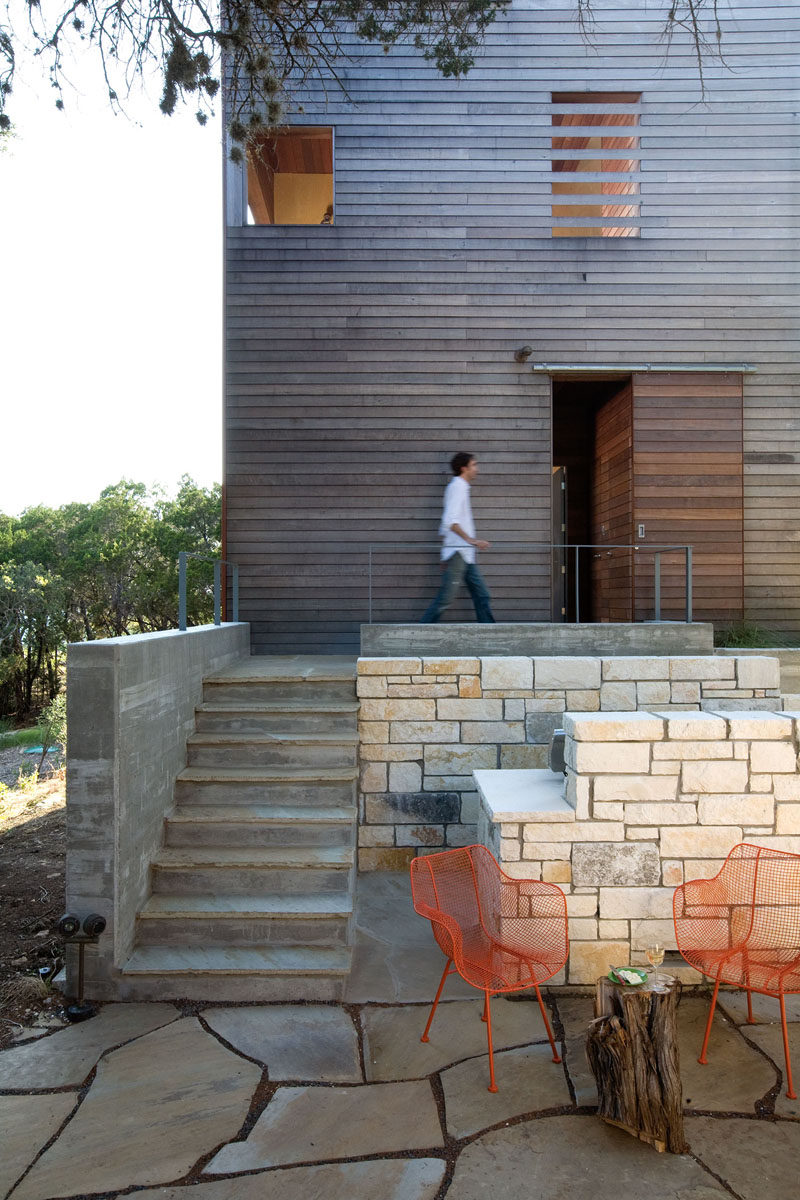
x=426, y=723
x=658, y=798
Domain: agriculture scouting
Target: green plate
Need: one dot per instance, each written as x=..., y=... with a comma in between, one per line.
x=642, y=974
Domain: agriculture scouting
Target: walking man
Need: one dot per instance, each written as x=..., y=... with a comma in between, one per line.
x=457, y=530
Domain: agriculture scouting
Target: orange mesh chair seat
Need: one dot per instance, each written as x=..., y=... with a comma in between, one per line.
x=499, y=934
x=743, y=928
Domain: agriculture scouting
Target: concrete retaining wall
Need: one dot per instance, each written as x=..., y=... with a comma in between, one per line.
x=537, y=637
x=427, y=723
x=130, y=708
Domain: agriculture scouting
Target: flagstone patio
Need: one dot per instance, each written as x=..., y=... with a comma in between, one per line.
x=238, y=1102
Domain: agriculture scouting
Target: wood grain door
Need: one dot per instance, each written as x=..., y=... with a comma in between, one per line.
x=612, y=509
x=688, y=488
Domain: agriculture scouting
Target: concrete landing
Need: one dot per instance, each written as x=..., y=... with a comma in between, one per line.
x=509, y=638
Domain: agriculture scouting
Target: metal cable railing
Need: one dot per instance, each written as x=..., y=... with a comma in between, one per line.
x=656, y=549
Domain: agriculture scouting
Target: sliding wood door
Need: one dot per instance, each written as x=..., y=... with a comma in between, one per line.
x=687, y=486
x=612, y=504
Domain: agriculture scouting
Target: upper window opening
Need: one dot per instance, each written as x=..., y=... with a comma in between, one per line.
x=588, y=164
x=290, y=178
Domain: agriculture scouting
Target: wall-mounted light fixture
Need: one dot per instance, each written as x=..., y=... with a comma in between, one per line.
x=523, y=354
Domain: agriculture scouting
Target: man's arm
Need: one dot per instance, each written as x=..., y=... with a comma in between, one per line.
x=476, y=542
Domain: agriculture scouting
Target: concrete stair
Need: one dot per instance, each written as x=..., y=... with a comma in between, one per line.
x=252, y=891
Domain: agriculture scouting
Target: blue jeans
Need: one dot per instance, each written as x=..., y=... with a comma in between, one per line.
x=456, y=569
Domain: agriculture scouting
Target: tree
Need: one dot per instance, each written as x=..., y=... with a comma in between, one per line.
x=271, y=47
x=87, y=571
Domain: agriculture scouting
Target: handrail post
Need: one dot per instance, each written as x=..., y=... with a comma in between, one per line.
x=217, y=591
x=235, y=613
x=182, y=590
x=688, y=585
x=657, y=585
x=577, y=587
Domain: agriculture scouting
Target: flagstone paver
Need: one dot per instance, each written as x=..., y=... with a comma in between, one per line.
x=27, y=1123
x=315, y=1042
x=65, y=1058
x=316, y=1124
x=757, y=1159
x=735, y=1076
x=393, y=1179
x=154, y=1108
x=769, y=1038
x=395, y=957
x=766, y=1009
x=575, y=1158
x=527, y=1079
x=576, y=1012
x=392, y=1046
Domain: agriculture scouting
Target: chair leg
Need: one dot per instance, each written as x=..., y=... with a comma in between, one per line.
x=790, y=1092
x=488, y=1011
x=445, y=973
x=485, y=1009
x=556, y=1057
x=702, y=1059
x=750, y=1018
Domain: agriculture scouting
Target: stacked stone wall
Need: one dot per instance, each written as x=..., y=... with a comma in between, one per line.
x=658, y=798
x=426, y=723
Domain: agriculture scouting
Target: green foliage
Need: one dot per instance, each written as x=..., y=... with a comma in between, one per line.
x=749, y=635
x=9, y=737
x=97, y=570
x=271, y=47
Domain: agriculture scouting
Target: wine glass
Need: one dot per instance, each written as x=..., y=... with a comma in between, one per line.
x=655, y=956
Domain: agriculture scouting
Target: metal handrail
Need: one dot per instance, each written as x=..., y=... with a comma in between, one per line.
x=656, y=548
x=183, y=560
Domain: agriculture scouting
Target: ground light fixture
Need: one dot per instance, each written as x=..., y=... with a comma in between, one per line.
x=77, y=933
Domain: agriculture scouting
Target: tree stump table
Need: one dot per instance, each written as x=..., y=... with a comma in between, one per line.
x=632, y=1049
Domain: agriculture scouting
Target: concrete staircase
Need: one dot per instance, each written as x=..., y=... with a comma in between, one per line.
x=252, y=892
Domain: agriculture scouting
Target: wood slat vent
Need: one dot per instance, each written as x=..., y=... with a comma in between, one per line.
x=587, y=164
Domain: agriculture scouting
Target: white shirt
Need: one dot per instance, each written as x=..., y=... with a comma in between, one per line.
x=457, y=511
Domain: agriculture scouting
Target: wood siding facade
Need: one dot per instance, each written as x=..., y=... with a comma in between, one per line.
x=360, y=356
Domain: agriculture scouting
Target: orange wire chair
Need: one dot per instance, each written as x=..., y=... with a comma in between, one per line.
x=499, y=934
x=743, y=928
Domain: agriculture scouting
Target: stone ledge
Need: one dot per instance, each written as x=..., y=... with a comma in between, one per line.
x=518, y=796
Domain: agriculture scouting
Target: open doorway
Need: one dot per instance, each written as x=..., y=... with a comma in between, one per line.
x=593, y=485
x=653, y=458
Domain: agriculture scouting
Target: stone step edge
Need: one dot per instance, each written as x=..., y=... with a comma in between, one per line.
x=292, y=858
x=338, y=962
x=214, y=738
x=267, y=774
x=282, y=910
x=300, y=708
x=220, y=814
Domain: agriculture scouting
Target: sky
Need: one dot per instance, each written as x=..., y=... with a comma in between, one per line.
x=110, y=299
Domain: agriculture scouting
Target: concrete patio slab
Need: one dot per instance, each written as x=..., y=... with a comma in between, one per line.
x=27, y=1124
x=758, y=1160
x=66, y=1057
x=528, y=1081
x=154, y=1108
x=316, y=1042
x=392, y=1046
x=315, y=1124
x=736, y=1075
x=395, y=1179
x=769, y=1038
x=580, y=1158
x=395, y=957
x=576, y=1012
